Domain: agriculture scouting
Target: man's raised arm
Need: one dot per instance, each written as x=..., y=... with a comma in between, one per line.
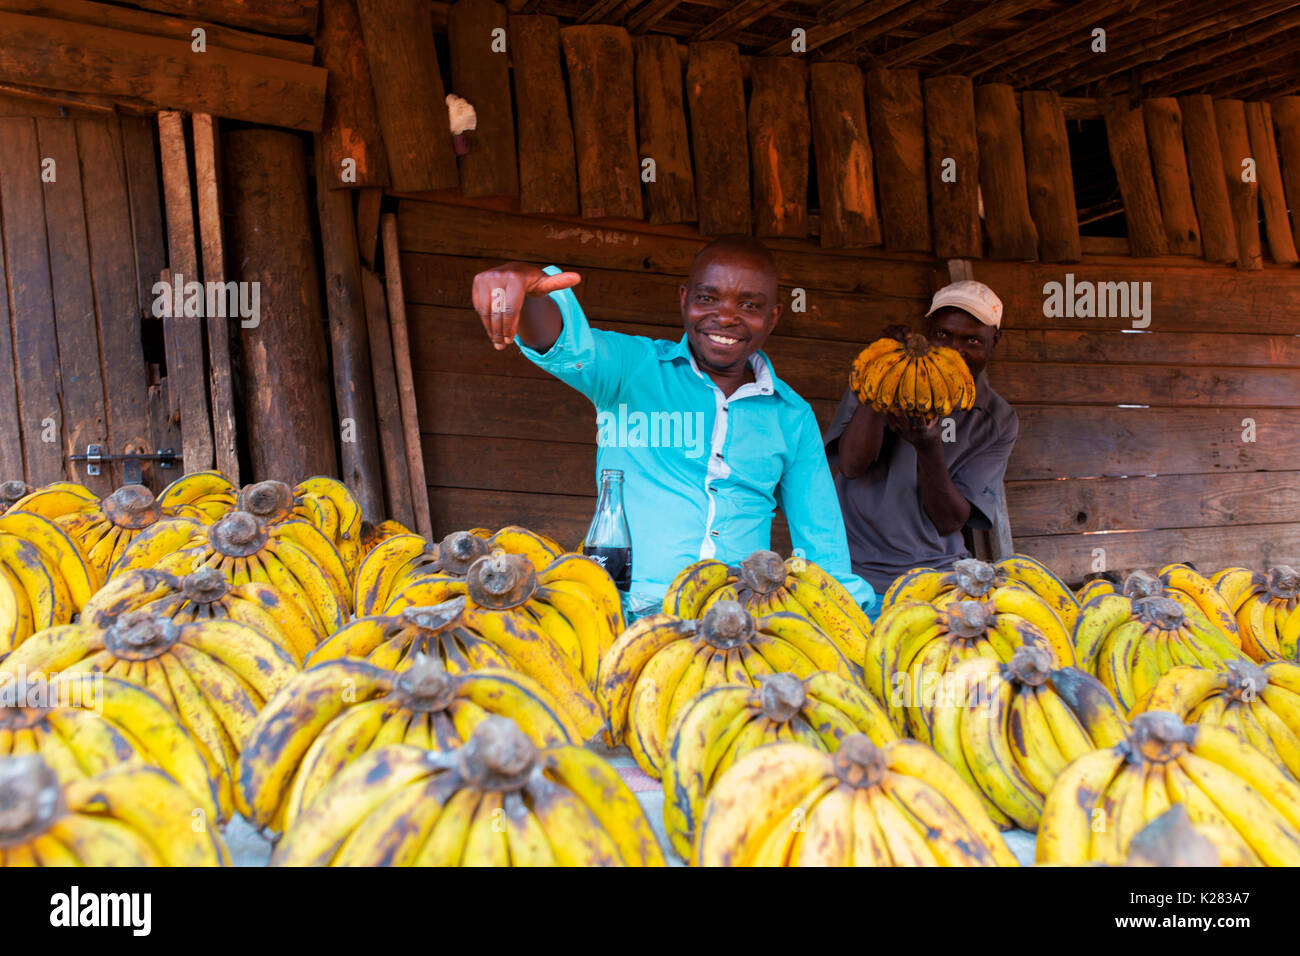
x=512, y=299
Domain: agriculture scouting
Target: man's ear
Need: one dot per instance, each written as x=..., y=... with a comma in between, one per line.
x=681, y=297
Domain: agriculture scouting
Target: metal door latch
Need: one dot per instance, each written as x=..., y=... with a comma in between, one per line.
x=94, y=457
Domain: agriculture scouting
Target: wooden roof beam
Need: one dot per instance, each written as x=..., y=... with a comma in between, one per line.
x=607, y=11
x=650, y=14
x=865, y=34
x=940, y=39
x=1216, y=52
x=819, y=36
x=736, y=19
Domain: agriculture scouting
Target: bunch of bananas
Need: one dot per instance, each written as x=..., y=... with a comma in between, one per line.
x=498, y=800
x=202, y=595
x=202, y=495
x=512, y=539
x=330, y=714
x=788, y=804
x=1129, y=643
x=214, y=675
x=661, y=662
x=1178, y=582
x=373, y=534
x=722, y=724
x=102, y=528
x=553, y=626
x=294, y=556
x=973, y=580
x=912, y=377
x=85, y=724
x=764, y=584
x=387, y=579
x=131, y=815
x=323, y=502
x=12, y=491
x=1010, y=729
x=1101, y=800
x=915, y=644
x=45, y=577
x=1105, y=582
x=1266, y=607
x=1260, y=704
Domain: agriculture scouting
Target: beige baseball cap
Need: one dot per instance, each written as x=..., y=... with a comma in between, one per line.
x=969, y=296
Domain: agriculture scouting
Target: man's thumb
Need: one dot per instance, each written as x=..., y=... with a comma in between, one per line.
x=561, y=280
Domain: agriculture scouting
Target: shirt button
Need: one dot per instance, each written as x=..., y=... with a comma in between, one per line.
x=579, y=365
x=713, y=490
x=724, y=408
x=714, y=533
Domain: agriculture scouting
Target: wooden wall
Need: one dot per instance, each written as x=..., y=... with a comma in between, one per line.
x=1170, y=480
x=82, y=235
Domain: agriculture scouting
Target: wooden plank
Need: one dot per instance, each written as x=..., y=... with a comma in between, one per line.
x=11, y=434
x=397, y=326
x=1209, y=184
x=1254, y=546
x=661, y=127
x=1127, y=141
x=31, y=312
x=715, y=97
x=897, y=119
x=212, y=244
x=562, y=517
x=480, y=73
x=388, y=409
x=1272, y=200
x=548, y=176
x=369, y=204
x=163, y=428
x=140, y=155
x=409, y=95
x=1243, y=196
x=1004, y=182
x=510, y=465
x=599, y=60
x=160, y=71
x=29, y=103
x=846, y=183
x=112, y=275
x=161, y=24
x=187, y=377
x=1049, y=177
x=350, y=136
x=779, y=137
x=1164, y=128
x=283, y=17
x=285, y=381
x=349, y=349
x=1286, y=120
x=82, y=393
x=954, y=165
x=1153, y=502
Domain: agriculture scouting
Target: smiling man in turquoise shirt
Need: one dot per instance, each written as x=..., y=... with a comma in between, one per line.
x=709, y=440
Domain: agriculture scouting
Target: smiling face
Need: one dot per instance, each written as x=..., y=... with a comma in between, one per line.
x=729, y=307
x=957, y=329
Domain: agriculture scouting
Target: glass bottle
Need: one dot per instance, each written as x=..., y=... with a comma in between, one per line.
x=608, y=539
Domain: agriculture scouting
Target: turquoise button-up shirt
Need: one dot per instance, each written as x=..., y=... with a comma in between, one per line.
x=703, y=472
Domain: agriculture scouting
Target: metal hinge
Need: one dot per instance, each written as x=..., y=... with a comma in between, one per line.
x=131, y=474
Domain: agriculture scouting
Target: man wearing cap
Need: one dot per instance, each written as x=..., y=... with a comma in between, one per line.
x=908, y=487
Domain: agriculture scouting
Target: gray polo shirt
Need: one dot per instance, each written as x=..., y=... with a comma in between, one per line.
x=889, y=531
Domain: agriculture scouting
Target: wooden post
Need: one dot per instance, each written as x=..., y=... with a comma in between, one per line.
x=82, y=395
x=779, y=137
x=1127, y=139
x=599, y=58
x=846, y=183
x=548, y=176
x=112, y=272
x=409, y=96
x=1277, y=227
x=1243, y=191
x=715, y=95
x=349, y=346
x=1164, y=127
x=480, y=73
x=11, y=435
x=141, y=159
x=1209, y=183
x=353, y=146
x=388, y=407
x=661, y=121
x=286, y=374
x=953, y=164
x=897, y=118
x=1004, y=183
x=187, y=380
x=405, y=382
x=213, y=244
x=1286, y=118
x=369, y=202
x=1049, y=177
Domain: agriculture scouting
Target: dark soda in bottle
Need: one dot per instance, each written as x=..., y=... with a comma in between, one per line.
x=608, y=540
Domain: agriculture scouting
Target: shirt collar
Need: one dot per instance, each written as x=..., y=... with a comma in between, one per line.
x=764, y=380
